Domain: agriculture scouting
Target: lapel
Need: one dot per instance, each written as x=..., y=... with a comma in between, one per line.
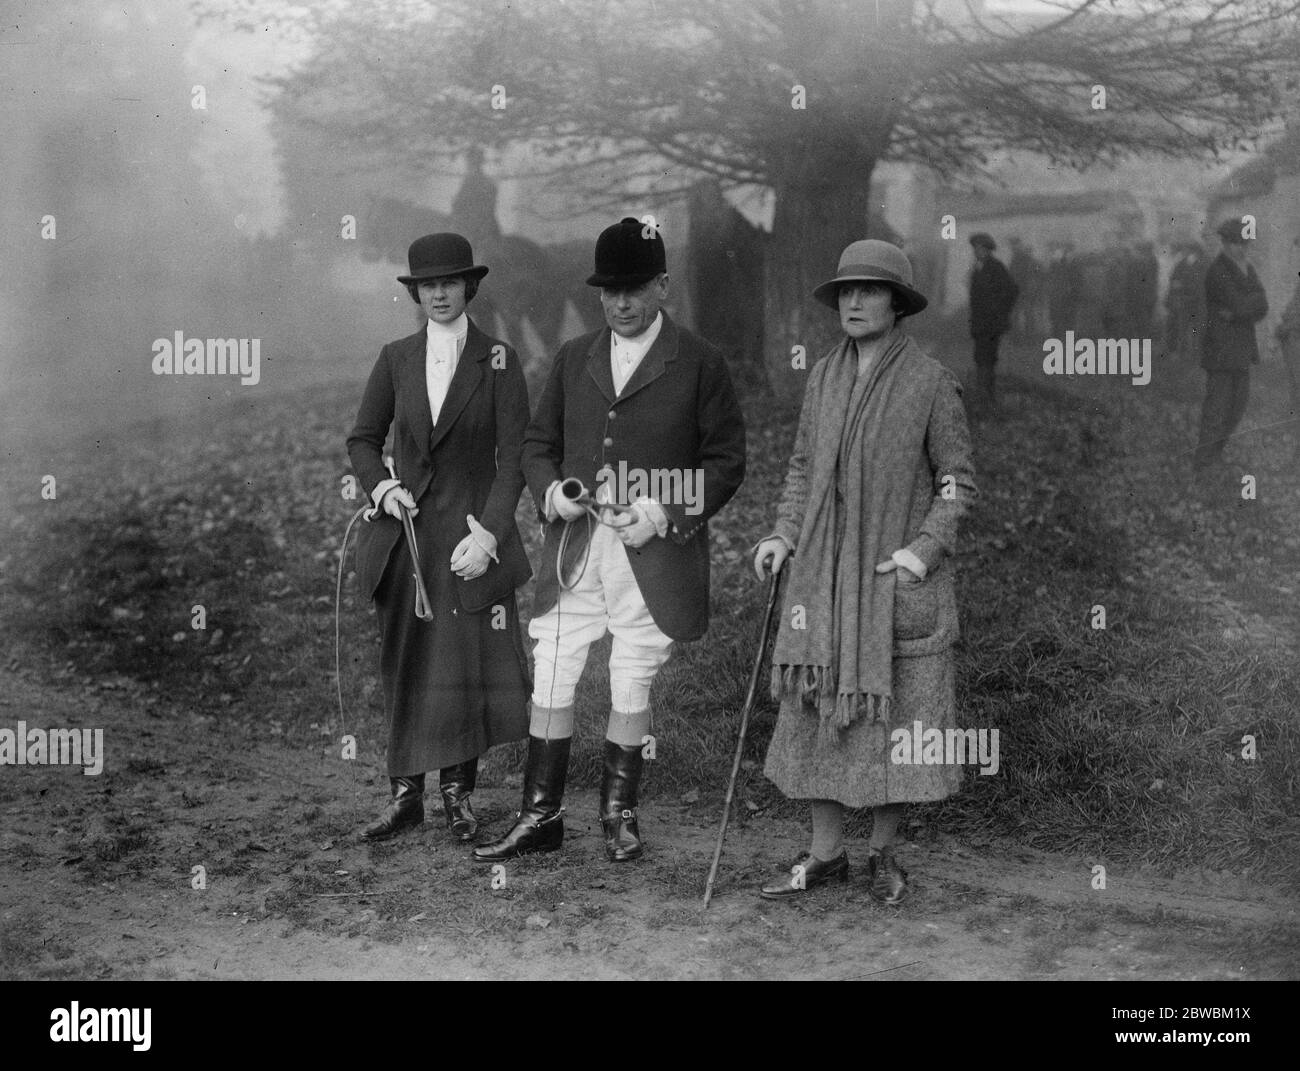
x=464, y=381
x=652, y=365
x=598, y=366
x=412, y=394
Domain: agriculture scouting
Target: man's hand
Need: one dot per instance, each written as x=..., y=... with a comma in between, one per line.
x=565, y=508
x=635, y=529
x=772, y=553
x=469, y=560
x=395, y=498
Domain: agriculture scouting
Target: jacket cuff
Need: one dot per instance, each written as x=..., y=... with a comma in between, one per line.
x=927, y=550
x=548, y=507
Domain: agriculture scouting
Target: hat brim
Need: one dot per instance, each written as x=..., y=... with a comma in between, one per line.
x=620, y=281
x=913, y=300
x=424, y=275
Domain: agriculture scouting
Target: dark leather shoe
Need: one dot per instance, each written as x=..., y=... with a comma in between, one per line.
x=888, y=880
x=618, y=796
x=456, y=783
x=405, y=812
x=805, y=875
x=539, y=825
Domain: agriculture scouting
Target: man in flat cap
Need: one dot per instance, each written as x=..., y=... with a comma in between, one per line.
x=641, y=404
x=1234, y=304
x=993, y=294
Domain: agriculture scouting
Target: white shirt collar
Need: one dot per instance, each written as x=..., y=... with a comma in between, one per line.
x=633, y=349
x=458, y=328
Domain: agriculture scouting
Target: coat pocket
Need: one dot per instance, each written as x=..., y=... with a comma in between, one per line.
x=916, y=607
x=500, y=580
x=376, y=542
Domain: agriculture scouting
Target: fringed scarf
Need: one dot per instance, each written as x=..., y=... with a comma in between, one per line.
x=862, y=450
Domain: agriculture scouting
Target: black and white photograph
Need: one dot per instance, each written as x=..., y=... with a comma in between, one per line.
x=651, y=490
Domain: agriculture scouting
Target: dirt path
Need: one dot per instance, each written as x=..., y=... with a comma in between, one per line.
x=97, y=877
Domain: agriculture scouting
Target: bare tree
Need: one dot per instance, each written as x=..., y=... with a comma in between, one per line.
x=801, y=97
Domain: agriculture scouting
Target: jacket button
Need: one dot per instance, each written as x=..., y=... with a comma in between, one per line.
x=612, y=414
x=609, y=442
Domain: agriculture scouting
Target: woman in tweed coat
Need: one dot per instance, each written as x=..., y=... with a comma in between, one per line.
x=880, y=475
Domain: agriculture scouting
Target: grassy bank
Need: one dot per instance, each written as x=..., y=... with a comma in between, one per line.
x=1121, y=744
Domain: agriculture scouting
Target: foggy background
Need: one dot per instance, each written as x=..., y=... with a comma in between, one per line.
x=219, y=222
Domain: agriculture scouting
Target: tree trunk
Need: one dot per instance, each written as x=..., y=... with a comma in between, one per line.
x=820, y=208
x=820, y=164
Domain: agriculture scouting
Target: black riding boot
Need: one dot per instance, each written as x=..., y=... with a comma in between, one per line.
x=623, y=765
x=456, y=783
x=406, y=810
x=539, y=826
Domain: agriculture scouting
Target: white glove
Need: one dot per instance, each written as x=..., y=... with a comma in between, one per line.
x=396, y=497
x=469, y=560
x=565, y=508
x=773, y=547
x=635, y=529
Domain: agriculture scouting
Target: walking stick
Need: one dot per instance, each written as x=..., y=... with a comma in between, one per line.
x=422, y=609
x=773, y=585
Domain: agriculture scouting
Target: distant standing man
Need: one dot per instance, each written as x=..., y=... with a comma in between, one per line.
x=1234, y=304
x=993, y=295
x=643, y=395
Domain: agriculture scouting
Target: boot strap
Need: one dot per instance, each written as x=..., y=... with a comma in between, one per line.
x=542, y=821
x=626, y=815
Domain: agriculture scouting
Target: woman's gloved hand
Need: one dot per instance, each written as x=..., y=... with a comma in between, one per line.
x=904, y=559
x=395, y=498
x=772, y=553
x=469, y=560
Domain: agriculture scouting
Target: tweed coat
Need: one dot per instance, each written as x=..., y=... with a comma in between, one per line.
x=855, y=768
x=1234, y=304
x=677, y=412
x=457, y=685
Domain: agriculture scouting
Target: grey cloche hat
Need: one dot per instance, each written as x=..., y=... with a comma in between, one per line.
x=871, y=260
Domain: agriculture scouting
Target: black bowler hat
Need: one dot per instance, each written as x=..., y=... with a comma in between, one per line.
x=986, y=240
x=437, y=255
x=628, y=254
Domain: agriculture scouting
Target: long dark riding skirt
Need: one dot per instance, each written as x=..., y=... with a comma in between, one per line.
x=454, y=686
